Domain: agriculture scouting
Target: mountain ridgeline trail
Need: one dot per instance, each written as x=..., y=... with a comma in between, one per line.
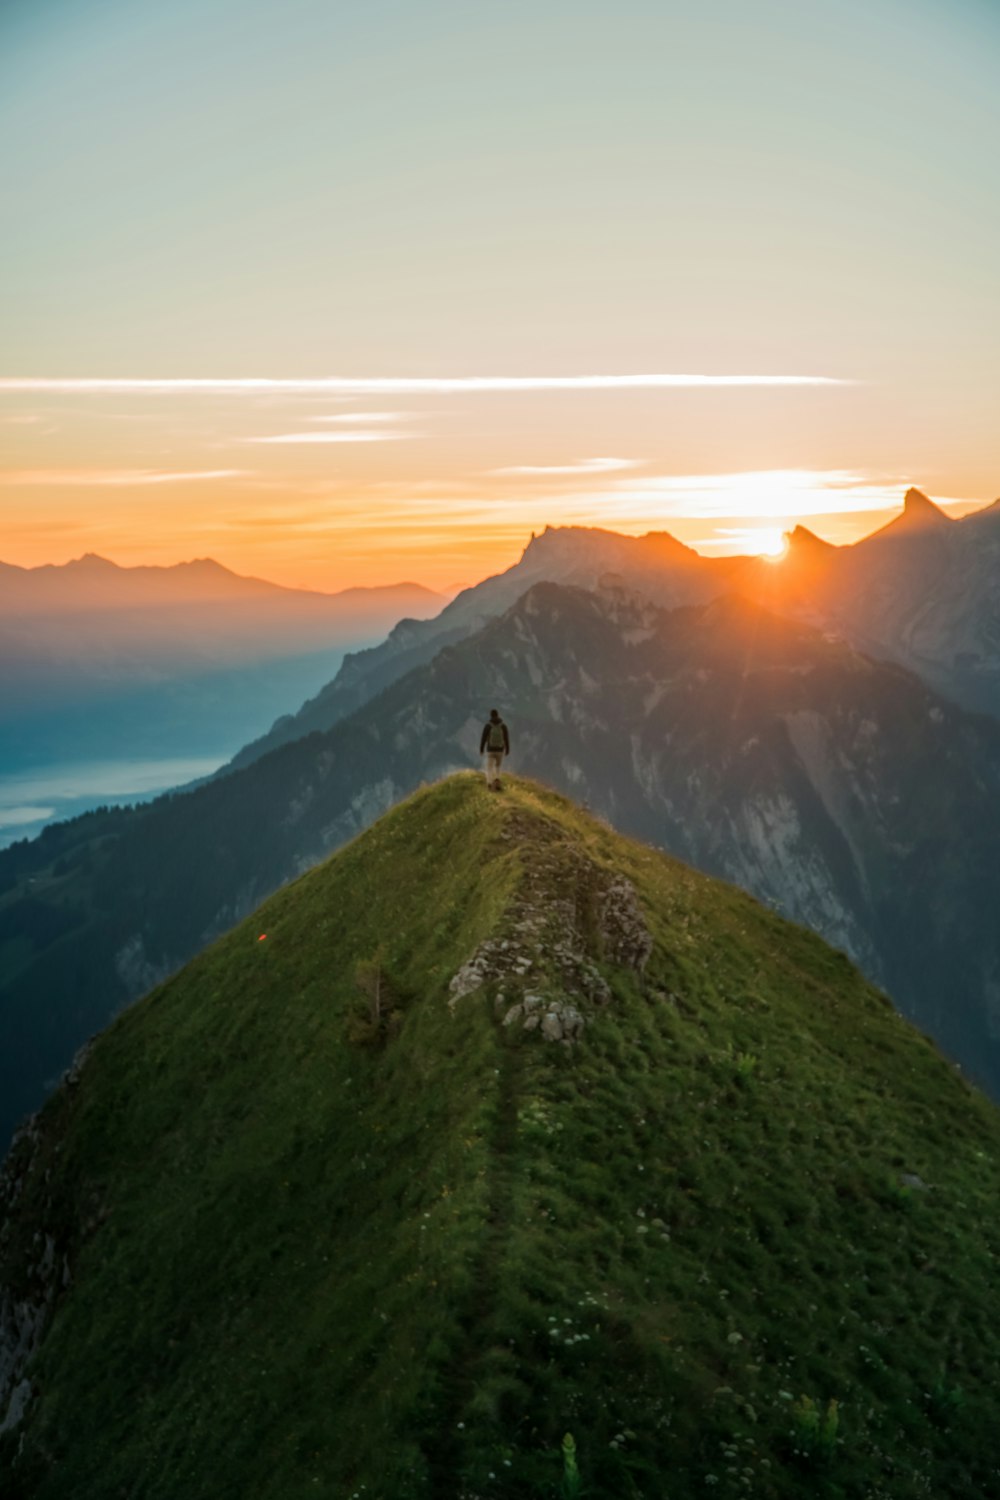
x=497, y=1126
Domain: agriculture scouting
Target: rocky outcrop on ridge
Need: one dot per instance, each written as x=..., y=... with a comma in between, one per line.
x=569, y=916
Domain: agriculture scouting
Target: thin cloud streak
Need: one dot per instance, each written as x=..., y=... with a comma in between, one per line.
x=766, y=493
x=107, y=477
x=366, y=416
x=335, y=437
x=403, y=385
x=585, y=466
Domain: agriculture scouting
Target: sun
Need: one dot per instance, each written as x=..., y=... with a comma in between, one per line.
x=770, y=543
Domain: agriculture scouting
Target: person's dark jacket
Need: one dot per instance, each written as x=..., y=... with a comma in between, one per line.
x=486, y=734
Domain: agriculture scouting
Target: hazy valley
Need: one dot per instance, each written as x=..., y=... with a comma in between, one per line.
x=105, y=670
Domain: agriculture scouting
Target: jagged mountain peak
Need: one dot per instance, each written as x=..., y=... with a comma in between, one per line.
x=490, y=1128
x=918, y=507
x=205, y=565
x=805, y=542
x=591, y=540
x=919, y=516
x=93, y=562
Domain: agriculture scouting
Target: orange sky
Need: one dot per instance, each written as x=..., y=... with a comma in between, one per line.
x=321, y=490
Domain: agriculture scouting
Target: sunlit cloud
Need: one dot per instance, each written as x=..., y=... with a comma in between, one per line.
x=761, y=541
x=335, y=437
x=105, y=477
x=584, y=466
x=404, y=385
x=775, y=493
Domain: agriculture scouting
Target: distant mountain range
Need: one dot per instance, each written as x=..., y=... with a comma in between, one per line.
x=93, y=582
x=923, y=591
x=97, y=659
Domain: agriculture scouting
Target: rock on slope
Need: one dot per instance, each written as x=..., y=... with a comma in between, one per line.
x=328, y=1213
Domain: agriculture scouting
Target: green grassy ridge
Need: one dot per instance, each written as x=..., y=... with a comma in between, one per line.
x=309, y=1258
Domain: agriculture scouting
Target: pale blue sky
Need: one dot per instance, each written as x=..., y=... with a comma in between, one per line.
x=390, y=189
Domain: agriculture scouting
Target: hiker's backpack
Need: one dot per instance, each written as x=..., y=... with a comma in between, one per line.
x=495, y=739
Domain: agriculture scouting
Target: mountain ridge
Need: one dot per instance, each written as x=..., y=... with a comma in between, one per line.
x=848, y=589
x=150, y=583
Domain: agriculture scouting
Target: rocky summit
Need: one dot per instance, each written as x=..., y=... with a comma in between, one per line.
x=501, y=1157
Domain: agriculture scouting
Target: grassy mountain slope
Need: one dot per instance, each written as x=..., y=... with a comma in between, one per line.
x=322, y=1247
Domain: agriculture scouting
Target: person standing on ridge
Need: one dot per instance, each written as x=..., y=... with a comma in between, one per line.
x=496, y=742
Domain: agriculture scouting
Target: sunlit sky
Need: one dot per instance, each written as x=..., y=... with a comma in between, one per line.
x=344, y=293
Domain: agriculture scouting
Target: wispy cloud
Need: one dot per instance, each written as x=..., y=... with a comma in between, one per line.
x=363, y=417
x=106, y=477
x=583, y=466
x=401, y=384
x=748, y=538
x=762, y=493
x=22, y=817
x=334, y=437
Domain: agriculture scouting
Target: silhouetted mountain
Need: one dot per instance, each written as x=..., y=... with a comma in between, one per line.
x=919, y=514
x=94, y=582
x=499, y=1127
x=98, y=660
x=838, y=788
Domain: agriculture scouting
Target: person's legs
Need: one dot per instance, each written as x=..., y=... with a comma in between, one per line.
x=493, y=759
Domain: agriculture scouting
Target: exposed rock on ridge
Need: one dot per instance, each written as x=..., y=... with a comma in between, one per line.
x=569, y=916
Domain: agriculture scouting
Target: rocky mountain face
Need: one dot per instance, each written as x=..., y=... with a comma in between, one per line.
x=502, y=1156
x=838, y=789
x=657, y=565
x=923, y=591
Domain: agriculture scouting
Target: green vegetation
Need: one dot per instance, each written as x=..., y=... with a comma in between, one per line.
x=332, y=1236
